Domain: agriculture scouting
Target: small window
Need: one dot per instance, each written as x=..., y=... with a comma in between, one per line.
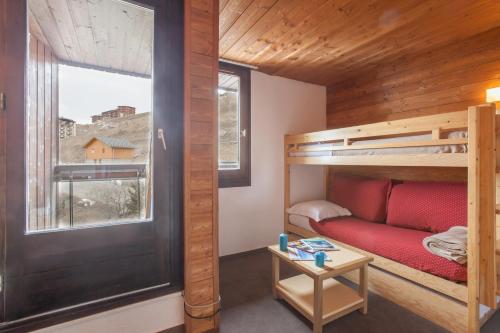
x=234, y=126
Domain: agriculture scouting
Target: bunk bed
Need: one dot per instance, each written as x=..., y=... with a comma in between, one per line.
x=458, y=144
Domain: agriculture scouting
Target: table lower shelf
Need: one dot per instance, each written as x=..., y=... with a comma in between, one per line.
x=338, y=299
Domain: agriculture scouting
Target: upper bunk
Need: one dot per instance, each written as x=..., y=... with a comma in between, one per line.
x=441, y=140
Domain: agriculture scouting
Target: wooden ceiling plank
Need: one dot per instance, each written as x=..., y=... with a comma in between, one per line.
x=144, y=53
x=438, y=31
x=65, y=25
x=245, y=22
x=283, y=16
x=135, y=29
x=326, y=47
x=119, y=31
x=230, y=14
x=339, y=41
x=79, y=11
x=281, y=36
x=99, y=11
x=35, y=30
x=222, y=5
x=303, y=36
x=43, y=16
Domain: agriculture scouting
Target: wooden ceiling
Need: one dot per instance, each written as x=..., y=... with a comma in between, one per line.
x=327, y=41
x=108, y=34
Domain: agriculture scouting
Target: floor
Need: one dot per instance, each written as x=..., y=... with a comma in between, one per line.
x=248, y=306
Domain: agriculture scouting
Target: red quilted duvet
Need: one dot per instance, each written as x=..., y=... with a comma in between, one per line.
x=398, y=244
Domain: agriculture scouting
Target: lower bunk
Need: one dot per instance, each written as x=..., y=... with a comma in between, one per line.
x=388, y=220
x=438, y=300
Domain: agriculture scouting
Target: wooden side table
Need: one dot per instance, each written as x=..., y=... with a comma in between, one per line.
x=315, y=294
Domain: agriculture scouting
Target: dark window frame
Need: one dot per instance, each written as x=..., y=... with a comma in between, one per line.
x=242, y=176
x=172, y=44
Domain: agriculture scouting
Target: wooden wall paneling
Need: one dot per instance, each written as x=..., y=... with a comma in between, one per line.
x=40, y=134
x=42, y=126
x=32, y=126
x=449, y=78
x=200, y=179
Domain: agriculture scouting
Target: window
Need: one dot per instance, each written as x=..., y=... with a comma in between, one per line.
x=94, y=211
x=103, y=108
x=234, y=126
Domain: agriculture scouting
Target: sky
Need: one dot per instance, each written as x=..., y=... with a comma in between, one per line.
x=85, y=92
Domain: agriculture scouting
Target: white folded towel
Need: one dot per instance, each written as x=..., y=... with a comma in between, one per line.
x=451, y=244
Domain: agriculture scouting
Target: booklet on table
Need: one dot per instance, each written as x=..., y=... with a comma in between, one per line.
x=296, y=254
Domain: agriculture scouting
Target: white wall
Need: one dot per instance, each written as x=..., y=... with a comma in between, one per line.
x=150, y=316
x=252, y=217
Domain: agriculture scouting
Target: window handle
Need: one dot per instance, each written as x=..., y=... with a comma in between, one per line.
x=161, y=136
x=243, y=133
x=3, y=102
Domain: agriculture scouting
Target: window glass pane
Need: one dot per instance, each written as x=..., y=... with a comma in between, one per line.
x=229, y=122
x=89, y=122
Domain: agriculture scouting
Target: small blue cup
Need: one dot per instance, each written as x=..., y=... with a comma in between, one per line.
x=283, y=242
x=319, y=258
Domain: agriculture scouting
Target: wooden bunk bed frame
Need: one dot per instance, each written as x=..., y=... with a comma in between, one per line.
x=456, y=307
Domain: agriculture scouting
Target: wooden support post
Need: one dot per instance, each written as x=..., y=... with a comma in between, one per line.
x=286, y=187
x=318, y=305
x=436, y=134
x=326, y=180
x=276, y=275
x=363, y=287
x=481, y=268
x=201, y=256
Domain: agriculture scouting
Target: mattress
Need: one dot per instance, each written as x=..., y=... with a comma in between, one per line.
x=399, y=244
x=443, y=149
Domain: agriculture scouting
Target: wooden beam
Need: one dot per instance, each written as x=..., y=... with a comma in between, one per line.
x=481, y=270
x=201, y=277
x=427, y=160
x=411, y=126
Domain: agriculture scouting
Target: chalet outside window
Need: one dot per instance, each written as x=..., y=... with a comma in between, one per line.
x=234, y=126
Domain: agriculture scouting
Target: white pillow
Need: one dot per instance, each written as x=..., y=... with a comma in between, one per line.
x=318, y=210
x=300, y=221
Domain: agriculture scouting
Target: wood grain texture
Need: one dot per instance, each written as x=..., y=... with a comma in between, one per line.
x=450, y=78
x=200, y=165
x=42, y=133
x=325, y=41
x=103, y=34
x=481, y=270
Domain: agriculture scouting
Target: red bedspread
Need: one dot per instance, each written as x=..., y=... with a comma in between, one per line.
x=399, y=244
